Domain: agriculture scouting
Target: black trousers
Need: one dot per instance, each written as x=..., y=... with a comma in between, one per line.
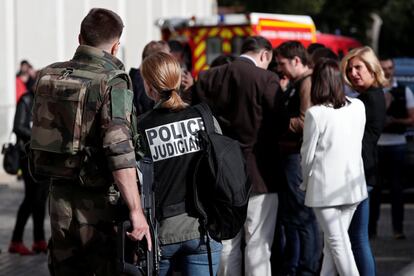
x=34, y=203
x=391, y=166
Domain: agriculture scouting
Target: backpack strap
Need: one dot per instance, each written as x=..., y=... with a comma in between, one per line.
x=207, y=116
x=120, y=74
x=210, y=259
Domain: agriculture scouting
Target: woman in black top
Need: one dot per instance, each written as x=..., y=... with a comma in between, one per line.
x=362, y=71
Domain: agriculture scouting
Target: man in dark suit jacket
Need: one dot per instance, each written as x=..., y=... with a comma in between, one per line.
x=244, y=97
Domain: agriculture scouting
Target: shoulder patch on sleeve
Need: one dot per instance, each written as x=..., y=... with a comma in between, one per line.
x=121, y=103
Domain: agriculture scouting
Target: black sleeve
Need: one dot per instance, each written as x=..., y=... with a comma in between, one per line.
x=142, y=102
x=375, y=116
x=375, y=119
x=21, y=125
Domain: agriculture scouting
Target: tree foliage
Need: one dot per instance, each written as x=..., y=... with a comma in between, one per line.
x=283, y=6
x=349, y=17
x=398, y=29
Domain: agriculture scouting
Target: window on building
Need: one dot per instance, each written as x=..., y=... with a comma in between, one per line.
x=214, y=48
x=236, y=45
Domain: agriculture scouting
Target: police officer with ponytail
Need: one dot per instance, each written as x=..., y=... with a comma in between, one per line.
x=170, y=138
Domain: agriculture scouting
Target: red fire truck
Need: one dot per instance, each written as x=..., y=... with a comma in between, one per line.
x=207, y=38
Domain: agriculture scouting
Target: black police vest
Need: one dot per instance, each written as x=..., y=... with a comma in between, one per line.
x=397, y=109
x=171, y=140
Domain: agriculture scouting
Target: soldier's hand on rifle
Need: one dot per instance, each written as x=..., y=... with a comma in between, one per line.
x=126, y=181
x=140, y=228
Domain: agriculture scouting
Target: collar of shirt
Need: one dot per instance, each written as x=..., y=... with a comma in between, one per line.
x=393, y=85
x=250, y=58
x=98, y=56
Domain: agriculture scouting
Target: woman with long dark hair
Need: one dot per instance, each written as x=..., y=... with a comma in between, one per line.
x=332, y=168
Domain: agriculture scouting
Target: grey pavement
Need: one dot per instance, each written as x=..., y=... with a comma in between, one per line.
x=393, y=257
x=11, y=195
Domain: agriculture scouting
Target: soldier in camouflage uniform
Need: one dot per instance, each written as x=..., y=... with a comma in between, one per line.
x=101, y=150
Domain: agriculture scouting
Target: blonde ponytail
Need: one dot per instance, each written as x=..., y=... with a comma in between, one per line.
x=174, y=102
x=163, y=73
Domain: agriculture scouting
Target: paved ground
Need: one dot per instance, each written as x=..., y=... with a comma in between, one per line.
x=11, y=194
x=393, y=257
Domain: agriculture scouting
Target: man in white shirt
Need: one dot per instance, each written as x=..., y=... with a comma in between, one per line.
x=392, y=149
x=245, y=98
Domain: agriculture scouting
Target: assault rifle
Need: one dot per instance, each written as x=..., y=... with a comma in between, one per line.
x=134, y=258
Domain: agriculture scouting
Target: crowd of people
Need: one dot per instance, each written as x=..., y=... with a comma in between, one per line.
x=308, y=125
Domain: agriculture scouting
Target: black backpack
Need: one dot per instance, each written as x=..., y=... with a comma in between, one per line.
x=11, y=161
x=220, y=183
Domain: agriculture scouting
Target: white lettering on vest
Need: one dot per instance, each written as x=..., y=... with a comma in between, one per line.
x=174, y=139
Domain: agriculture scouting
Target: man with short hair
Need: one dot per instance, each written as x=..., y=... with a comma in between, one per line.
x=82, y=207
x=392, y=147
x=244, y=97
x=181, y=52
x=302, y=248
x=142, y=102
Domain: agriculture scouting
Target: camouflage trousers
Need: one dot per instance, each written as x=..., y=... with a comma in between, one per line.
x=83, y=233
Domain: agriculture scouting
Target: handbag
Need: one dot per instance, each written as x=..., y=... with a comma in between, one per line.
x=11, y=160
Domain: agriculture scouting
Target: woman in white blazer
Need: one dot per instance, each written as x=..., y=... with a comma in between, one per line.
x=332, y=167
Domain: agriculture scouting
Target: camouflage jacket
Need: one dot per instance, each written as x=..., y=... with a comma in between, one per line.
x=108, y=116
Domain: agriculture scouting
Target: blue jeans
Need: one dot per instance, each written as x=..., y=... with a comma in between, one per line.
x=302, y=250
x=358, y=234
x=190, y=257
